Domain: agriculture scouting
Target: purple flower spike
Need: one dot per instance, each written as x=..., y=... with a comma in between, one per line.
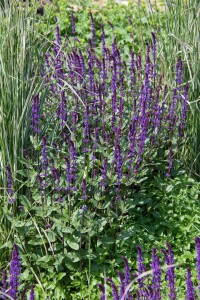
x=23, y=295
x=10, y=184
x=141, y=266
x=114, y=289
x=32, y=295
x=197, y=242
x=102, y=288
x=127, y=277
x=190, y=293
x=122, y=284
x=179, y=74
x=58, y=38
x=156, y=282
x=170, y=275
x=104, y=172
x=15, y=269
x=35, y=114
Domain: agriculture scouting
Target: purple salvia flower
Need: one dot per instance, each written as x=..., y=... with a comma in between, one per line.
x=184, y=109
x=84, y=208
x=102, y=288
x=142, y=139
x=190, y=293
x=35, y=114
x=104, y=172
x=197, y=245
x=44, y=156
x=4, y=283
x=15, y=269
x=179, y=74
x=140, y=265
x=122, y=285
x=23, y=294
x=39, y=178
x=154, y=53
x=96, y=135
x=127, y=277
x=73, y=24
x=58, y=38
x=93, y=30
x=74, y=119
x=170, y=275
x=156, y=282
x=32, y=295
x=10, y=184
x=114, y=289
x=168, y=174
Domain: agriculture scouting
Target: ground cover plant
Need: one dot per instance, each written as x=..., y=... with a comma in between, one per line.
x=102, y=170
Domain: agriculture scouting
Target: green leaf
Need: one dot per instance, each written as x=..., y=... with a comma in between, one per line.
x=72, y=243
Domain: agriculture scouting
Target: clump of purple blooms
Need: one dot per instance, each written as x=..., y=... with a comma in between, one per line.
x=111, y=122
x=9, y=286
x=145, y=285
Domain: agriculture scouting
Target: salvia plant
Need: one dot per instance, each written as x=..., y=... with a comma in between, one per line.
x=106, y=119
